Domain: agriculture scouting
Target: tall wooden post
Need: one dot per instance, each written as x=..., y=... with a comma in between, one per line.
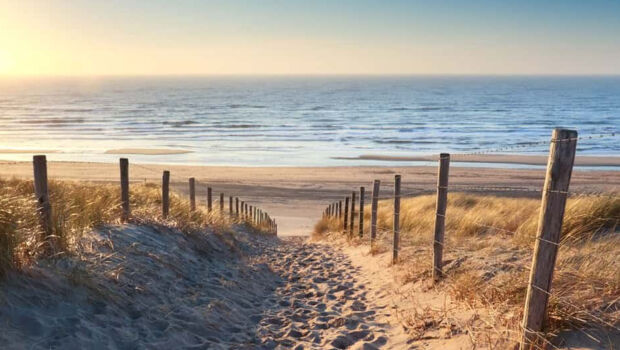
x=192, y=193
x=396, y=226
x=346, y=214
x=230, y=205
x=221, y=203
x=39, y=164
x=559, y=170
x=243, y=210
x=373, y=211
x=124, y=164
x=165, y=194
x=361, y=220
x=237, y=207
x=440, y=215
x=209, y=199
x=352, y=223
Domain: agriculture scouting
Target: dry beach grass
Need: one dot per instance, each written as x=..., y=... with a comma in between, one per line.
x=488, y=251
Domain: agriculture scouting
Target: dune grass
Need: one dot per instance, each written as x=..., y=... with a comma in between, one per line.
x=488, y=249
x=78, y=207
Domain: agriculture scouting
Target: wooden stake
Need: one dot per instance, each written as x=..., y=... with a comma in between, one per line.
x=209, y=199
x=559, y=170
x=221, y=203
x=346, y=213
x=352, y=224
x=165, y=194
x=396, y=218
x=440, y=216
x=192, y=194
x=237, y=207
x=361, y=221
x=39, y=164
x=373, y=211
x=339, y=209
x=124, y=164
x=230, y=205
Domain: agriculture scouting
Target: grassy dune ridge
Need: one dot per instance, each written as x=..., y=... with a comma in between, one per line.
x=488, y=252
x=77, y=207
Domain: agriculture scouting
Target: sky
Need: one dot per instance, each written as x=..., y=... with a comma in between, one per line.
x=319, y=37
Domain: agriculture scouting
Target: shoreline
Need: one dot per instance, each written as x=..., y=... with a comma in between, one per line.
x=516, y=159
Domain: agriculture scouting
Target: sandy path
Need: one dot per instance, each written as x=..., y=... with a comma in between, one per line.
x=323, y=302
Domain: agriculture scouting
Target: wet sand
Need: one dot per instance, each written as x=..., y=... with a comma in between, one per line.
x=296, y=196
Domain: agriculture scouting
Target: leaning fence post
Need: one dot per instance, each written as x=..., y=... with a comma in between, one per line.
x=39, y=164
x=346, y=213
x=192, y=193
x=440, y=215
x=352, y=224
x=124, y=163
x=373, y=211
x=209, y=199
x=361, y=221
x=165, y=194
x=555, y=191
x=396, y=218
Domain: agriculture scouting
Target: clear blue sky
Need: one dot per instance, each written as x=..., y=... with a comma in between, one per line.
x=88, y=37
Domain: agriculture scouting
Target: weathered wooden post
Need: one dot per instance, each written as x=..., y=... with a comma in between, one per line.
x=440, y=216
x=192, y=193
x=209, y=199
x=221, y=203
x=373, y=211
x=39, y=164
x=237, y=207
x=361, y=221
x=165, y=194
x=555, y=191
x=396, y=225
x=352, y=222
x=230, y=205
x=246, y=213
x=339, y=209
x=346, y=213
x=243, y=210
x=124, y=164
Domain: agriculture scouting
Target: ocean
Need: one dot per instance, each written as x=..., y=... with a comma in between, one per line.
x=302, y=121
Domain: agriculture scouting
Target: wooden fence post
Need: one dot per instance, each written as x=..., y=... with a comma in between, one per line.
x=39, y=164
x=352, y=224
x=373, y=211
x=221, y=203
x=209, y=199
x=361, y=221
x=165, y=194
x=339, y=209
x=559, y=170
x=242, y=210
x=230, y=205
x=124, y=163
x=346, y=213
x=440, y=215
x=237, y=207
x=396, y=218
x=246, y=213
x=192, y=193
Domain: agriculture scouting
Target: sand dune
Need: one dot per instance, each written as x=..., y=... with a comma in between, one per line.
x=146, y=287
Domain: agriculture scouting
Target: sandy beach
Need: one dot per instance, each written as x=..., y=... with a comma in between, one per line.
x=295, y=196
